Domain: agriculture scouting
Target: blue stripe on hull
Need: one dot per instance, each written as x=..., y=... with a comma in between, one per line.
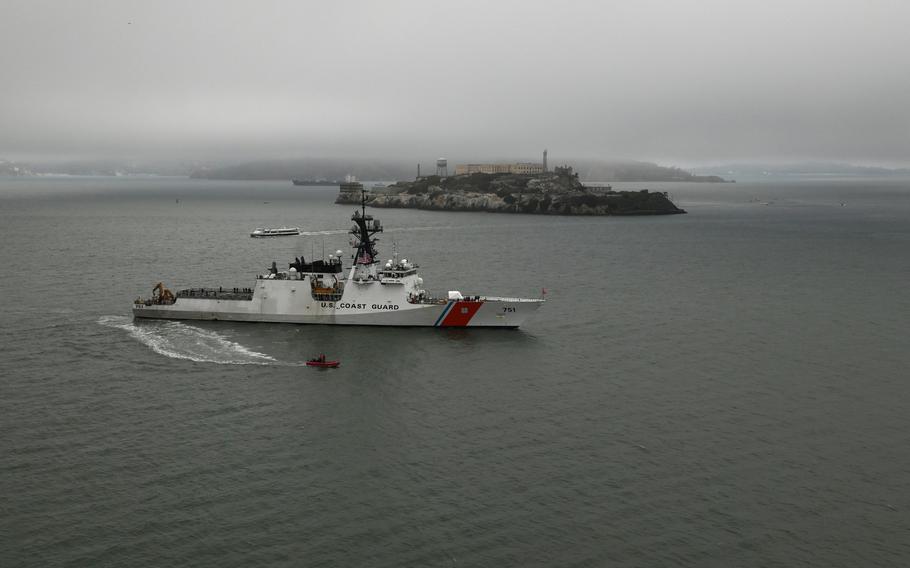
x=443, y=314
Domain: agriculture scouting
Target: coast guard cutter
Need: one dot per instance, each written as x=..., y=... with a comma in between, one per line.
x=316, y=292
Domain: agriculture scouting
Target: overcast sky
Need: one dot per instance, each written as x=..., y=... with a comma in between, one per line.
x=680, y=82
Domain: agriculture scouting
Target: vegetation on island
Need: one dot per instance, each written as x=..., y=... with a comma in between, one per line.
x=554, y=193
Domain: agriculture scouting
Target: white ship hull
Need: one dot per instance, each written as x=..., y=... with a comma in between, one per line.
x=370, y=303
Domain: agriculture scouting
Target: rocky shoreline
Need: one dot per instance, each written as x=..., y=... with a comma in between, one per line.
x=551, y=193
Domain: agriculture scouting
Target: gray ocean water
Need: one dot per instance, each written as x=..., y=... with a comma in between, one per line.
x=724, y=388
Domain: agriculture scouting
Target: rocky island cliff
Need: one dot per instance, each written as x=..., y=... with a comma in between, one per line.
x=551, y=193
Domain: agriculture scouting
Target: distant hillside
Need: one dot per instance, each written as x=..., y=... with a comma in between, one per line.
x=311, y=168
x=593, y=170
x=14, y=169
x=336, y=168
x=801, y=169
x=97, y=167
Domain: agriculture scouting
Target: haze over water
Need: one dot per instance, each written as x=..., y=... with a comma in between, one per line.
x=726, y=387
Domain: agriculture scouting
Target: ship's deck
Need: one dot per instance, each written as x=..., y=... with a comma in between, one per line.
x=245, y=294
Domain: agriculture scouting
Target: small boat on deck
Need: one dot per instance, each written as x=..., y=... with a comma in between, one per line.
x=322, y=362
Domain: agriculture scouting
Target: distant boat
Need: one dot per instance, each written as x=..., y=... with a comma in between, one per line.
x=282, y=232
x=321, y=362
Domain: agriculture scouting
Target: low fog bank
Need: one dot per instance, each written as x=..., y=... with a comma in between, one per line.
x=230, y=82
x=336, y=169
x=333, y=169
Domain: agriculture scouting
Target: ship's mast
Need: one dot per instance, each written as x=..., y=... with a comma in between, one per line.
x=364, y=228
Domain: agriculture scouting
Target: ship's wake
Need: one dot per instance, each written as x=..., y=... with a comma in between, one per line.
x=326, y=232
x=180, y=341
x=392, y=230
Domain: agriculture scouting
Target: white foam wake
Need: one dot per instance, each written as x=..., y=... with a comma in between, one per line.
x=180, y=341
x=329, y=232
x=392, y=230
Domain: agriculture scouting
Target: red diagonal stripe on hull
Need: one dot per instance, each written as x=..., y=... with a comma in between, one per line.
x=455, y=317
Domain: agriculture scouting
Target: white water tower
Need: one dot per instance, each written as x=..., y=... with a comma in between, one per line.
x=442, y=167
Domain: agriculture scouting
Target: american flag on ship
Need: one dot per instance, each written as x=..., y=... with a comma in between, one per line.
x=364, y=258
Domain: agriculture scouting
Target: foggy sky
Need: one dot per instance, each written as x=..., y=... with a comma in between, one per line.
x=680, y=82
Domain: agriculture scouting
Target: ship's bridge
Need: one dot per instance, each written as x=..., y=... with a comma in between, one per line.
x=395, y=273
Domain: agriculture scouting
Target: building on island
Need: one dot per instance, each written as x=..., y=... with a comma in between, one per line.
x=513, y=168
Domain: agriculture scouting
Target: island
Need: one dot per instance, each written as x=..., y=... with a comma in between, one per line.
x=557, y=192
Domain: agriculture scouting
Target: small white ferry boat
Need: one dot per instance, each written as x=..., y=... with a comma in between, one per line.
x=282, y=232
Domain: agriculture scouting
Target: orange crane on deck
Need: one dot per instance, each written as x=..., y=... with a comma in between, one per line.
x=161, y=295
